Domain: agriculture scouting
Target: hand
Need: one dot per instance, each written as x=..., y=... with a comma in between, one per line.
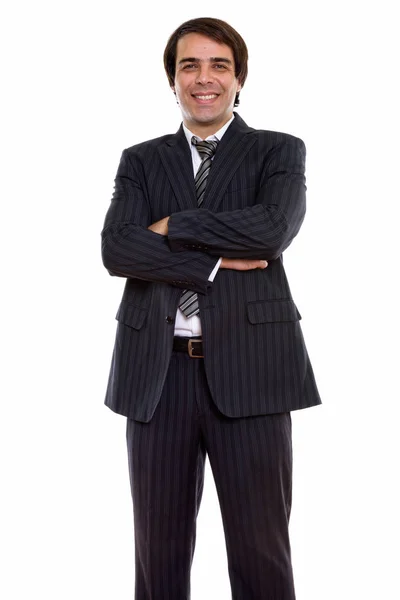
x=160, y=227
x=242, y=264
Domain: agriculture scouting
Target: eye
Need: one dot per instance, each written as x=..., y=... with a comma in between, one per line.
x=189, y=66
x=220, y=66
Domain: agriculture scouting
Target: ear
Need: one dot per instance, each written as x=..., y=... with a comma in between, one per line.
x=239, y=87
x=173, y=89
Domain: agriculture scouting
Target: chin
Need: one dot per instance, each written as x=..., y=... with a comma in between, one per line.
x=206, y=116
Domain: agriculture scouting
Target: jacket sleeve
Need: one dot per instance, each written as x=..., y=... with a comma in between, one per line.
x=129, y=249
x=261, y=231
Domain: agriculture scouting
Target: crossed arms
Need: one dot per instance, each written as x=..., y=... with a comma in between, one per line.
x=237, y=264
x=182, y=249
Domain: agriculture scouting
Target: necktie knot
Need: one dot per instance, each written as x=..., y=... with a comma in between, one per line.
x=206, y=149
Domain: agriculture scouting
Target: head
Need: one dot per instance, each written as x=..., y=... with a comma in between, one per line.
x=206, y=64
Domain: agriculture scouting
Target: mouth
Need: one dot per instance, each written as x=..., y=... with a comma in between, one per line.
x=205, y=98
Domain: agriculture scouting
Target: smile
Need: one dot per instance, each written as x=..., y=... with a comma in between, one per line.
x=208, y=97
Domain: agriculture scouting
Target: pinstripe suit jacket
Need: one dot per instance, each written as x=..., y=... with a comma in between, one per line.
x=255, y=355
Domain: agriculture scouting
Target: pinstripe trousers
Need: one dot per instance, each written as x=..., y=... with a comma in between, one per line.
x=251, y=462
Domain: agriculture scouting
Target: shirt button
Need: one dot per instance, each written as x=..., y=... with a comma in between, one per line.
x=170, y=320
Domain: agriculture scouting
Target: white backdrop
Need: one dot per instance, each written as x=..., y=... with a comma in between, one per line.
x=82, y=81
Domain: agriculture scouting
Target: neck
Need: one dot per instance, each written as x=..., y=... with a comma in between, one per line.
x=203, y=130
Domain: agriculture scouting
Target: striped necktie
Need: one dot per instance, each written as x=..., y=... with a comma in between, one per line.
x=188, y=303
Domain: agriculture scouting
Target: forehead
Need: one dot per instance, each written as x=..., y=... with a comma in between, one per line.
x=196, y=45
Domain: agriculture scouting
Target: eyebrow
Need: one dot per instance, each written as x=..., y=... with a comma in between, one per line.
x=211, y=59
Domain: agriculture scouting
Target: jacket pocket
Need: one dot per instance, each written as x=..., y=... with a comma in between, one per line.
x=131, y=315
x=272, y=311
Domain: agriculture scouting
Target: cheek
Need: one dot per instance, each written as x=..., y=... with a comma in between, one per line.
x=183, y=90
x=229, y=85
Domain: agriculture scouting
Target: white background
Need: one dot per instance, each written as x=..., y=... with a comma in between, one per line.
x=84, y=80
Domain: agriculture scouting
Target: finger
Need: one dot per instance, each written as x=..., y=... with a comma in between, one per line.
x=256, y=264
x=249, y=265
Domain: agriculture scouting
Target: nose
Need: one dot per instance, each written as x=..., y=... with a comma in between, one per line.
x=204, y=75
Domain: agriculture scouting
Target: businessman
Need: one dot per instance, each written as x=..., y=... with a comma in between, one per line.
x=209, y=356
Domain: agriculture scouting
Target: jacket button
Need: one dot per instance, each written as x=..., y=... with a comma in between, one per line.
x=170, y=320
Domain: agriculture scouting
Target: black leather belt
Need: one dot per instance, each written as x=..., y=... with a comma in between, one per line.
x=193, y=346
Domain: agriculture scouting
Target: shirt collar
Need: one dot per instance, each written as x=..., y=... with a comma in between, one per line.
x=216, y=136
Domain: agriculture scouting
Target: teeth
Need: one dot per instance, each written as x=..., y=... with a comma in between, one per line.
x=210, y=97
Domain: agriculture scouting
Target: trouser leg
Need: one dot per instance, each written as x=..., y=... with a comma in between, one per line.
x=166, y=458
x=251, y=461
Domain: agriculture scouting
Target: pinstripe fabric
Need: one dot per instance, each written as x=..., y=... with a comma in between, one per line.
x=251, y=461
x=254, y=204
x=206, y=151
x=188, y=303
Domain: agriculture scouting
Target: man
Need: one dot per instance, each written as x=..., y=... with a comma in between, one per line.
x=209, y=355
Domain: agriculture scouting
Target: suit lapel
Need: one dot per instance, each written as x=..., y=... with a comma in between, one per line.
x=235, y=144
x=177, y=161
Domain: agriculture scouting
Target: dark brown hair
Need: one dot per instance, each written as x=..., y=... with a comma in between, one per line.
x=218, y=30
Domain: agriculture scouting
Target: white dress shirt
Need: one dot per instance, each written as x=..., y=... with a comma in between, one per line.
x=191, y=326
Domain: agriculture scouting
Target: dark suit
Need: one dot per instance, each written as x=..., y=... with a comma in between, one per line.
x=255, y=358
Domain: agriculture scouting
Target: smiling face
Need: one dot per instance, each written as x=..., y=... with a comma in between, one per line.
x=205, y=83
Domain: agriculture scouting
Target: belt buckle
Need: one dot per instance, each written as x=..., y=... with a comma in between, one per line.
x=190, y=348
